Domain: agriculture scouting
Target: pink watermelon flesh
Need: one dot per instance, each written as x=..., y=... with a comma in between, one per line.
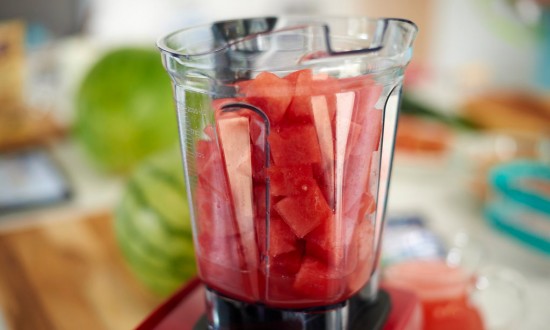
x=299, y=110
x=324, y=243
x=271, y=94
x=290, y=180
x=330, y=244
x=295, y=145
x=214, y=212
x=222, y=251
x=305, y=247
x=356, y=177
x=212, y=175
x=369, y=92
x=313, y=280
x=304, y=212
x=281, y=237
x=370, y=131
x=286, y=264
x=325, y=181
x=307, y=85
x=234, y=134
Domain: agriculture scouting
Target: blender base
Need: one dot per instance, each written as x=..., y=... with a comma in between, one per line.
x=353, y=314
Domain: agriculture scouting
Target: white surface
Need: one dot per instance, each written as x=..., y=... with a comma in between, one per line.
x=441, y=196
x=468, y=40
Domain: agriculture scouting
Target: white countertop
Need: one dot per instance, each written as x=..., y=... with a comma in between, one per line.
x=441, y=196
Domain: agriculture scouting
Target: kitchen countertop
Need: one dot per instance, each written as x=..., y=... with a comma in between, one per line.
x=441, y=195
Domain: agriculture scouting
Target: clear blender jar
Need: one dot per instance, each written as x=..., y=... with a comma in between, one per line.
x=287, y=129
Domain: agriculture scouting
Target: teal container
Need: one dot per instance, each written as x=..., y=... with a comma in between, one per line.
x=521, y=205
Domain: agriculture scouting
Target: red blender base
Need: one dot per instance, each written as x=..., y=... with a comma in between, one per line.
x=184, y=310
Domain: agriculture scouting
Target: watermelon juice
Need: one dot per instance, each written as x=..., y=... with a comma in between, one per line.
x=443, y=290
x=285, y=189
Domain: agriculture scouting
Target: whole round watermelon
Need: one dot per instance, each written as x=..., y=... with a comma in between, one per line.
x=152, y=224
x=124, y=109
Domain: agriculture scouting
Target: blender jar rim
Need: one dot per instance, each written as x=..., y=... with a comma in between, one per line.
x=162, y=42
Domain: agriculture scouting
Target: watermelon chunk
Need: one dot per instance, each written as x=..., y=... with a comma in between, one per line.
x=330, y=244
x=258, y=164
x=222, y=263
x=257, y=131
x=235, y=141
x=271, y=94
x=323, y=126
x=363, y=142
x=203, y=152
x=324, y=243
x=305, y=212
x=324, y=175
x=301, y=110
x=286, y=264
x=214, y=212
x=225, y=252
x=293, y=77
x=234, y=135
x=364, y=238
x=281, y=276
x=362, y=248
x=314, y=280
x=281, y=237
x=295, y=145
x=260, y=201
x=368, y=137
x=212, y=175
x=290, y=180
x=356, y=175
x=327, y=86
x=367, y=92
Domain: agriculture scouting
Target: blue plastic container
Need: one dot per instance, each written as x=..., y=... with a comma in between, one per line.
x=521, y=205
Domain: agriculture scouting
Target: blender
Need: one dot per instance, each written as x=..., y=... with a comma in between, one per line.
x=287, y=129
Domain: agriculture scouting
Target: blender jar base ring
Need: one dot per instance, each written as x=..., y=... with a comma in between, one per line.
x=354, y=314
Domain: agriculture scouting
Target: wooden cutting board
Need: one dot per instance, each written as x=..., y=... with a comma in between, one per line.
x=69, y=274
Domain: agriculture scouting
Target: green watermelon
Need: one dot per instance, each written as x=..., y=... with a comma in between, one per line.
x=124, y=109
x=153, y=227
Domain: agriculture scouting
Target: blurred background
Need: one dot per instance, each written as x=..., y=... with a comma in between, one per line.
x=86, y=110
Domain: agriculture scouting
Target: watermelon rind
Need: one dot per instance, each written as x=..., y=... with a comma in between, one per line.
x=153, y=227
